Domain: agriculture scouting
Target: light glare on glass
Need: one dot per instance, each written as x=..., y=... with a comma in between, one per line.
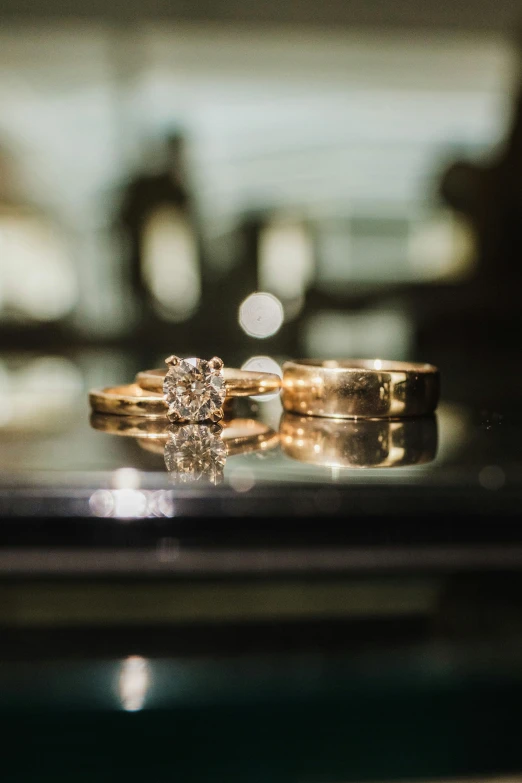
x=133, y=683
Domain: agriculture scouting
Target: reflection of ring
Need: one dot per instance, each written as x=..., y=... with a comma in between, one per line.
x=152, y=428
x=366, y=443
x=239, y=435
x=192, y=452
x=359, y=387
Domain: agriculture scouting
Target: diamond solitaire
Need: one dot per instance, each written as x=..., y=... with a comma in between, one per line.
x=194, y=389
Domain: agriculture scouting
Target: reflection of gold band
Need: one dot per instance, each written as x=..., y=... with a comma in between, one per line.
x=359, y=387
x=368, y=443
x=239, y=435
x=131, y=426
x=238, y=383
x=132, y=400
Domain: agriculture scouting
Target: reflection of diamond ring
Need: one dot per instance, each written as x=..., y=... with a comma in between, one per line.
x=241, y=436
x=195, y=389
x=365, y=443
x=359, y=388
x=191, y=451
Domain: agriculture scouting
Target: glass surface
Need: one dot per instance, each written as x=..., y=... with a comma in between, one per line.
x=281, y=598
x=59, y=460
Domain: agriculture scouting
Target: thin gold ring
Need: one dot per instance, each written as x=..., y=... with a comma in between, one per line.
x=194, y=389
x=352, y=388
x=364, y=443
x=128, y=400
x=131, y=400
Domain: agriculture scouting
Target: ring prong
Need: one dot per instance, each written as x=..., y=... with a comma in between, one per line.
x=173, y=414
x=216, y=363
x=217, y=415
x=172, y=361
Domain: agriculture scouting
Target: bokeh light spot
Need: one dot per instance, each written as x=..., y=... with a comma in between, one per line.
x=261, y=315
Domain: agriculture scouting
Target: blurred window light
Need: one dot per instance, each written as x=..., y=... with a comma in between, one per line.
x=261, y=315
x=334, y=246
x=39, y=395
x=286, y=260
x=134, y=683
x=382, y=249
x=331, y=123
x=37, y=279
x=376, y=332
x=442, y=246
x=171, y=264
x=379, y=246
x=369, y=248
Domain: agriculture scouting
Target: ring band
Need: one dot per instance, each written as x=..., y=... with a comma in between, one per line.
x=128, y=400
x=238, y=383
x=131, y=400
x=369, y=388
x=366, y=443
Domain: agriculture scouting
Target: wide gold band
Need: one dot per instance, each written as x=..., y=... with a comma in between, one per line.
x=238, y=383
x=365, y=443
x=240, y=436
x=369, y=388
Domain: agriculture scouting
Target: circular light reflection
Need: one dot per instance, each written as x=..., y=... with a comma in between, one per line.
x=263, y=364
x=261, y=315
x=242, y=479
x=492, y=477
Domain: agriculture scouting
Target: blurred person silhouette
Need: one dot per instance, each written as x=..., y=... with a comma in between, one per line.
x=473, y=327
x=159, y=225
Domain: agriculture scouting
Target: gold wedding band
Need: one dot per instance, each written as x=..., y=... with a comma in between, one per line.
x=370, y=388
x=365, y=443
x=238, y=383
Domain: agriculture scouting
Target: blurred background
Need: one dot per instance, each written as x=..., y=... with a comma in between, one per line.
x=260, y=180
x=249, y=179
